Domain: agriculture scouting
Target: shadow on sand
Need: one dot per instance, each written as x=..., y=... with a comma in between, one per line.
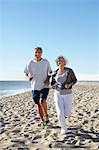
x=75, y=139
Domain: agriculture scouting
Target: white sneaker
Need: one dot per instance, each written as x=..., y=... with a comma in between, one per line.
x=63, y=131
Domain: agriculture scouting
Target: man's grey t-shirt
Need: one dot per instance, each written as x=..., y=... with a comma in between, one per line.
x=39, y=71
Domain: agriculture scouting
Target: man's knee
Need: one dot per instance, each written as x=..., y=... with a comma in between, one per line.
x=43, y=101
x=36, y=96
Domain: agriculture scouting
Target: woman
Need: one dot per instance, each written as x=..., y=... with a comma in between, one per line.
x=62, y=81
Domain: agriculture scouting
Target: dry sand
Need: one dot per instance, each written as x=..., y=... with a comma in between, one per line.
x=19, y=122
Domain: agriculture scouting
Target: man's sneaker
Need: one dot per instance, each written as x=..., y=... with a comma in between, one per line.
x=41, y=124
x=46, y=120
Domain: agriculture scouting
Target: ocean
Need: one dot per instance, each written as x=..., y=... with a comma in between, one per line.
x=8, y=88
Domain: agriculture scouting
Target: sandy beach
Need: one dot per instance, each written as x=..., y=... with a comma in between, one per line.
x=19, y=122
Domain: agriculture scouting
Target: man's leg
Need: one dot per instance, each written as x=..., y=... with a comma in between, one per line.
x=41, y=113
x=44, y=94
x=44, y=107
x=36, y=98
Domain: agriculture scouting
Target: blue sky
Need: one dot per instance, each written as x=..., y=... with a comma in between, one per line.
x=62, y=27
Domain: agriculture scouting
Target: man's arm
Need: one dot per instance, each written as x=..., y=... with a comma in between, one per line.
x=48, y=78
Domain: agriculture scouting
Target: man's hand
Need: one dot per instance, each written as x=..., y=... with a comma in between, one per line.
x=46, y=82
x=28, y=77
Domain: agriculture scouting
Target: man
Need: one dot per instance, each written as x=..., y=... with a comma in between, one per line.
x=37, y=72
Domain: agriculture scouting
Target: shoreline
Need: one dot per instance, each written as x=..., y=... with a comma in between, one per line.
x=19, y=122
x=15, y=93
x=19, y=91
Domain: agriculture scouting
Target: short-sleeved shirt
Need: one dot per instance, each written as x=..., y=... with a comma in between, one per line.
x=39, y=71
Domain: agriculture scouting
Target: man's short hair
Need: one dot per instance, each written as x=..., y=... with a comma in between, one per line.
x=38, y=48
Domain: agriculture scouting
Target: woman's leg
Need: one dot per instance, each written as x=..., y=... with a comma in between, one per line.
x=60, y=110
x=67, y=104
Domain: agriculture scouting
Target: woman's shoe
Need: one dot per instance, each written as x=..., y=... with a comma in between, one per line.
x=63, y=131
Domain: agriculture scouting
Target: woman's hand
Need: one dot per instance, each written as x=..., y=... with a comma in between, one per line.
x=54, y=86
x=67, y=86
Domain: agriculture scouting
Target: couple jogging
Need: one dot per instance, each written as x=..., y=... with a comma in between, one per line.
x=39, y=72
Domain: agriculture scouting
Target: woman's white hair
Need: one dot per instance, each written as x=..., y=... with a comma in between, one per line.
x=59, y=57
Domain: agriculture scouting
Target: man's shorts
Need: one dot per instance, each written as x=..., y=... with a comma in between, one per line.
x=40, y=94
